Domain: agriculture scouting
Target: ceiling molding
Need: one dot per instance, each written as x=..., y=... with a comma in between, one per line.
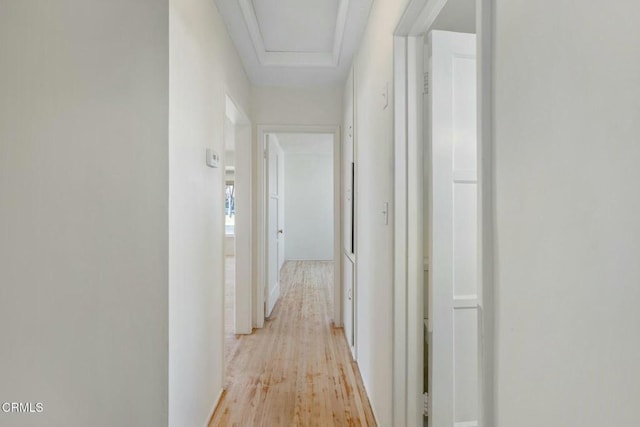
x=295, y=59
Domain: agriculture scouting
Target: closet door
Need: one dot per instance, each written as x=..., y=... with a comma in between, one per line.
x=453, y=370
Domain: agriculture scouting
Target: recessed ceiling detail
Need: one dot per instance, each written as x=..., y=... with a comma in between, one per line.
x=294, y=33
x=295, y=42
x=302, y=25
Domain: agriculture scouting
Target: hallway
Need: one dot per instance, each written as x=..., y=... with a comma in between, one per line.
x=297, y=370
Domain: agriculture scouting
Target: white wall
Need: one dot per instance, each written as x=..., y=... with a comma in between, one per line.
x=374, y=181
x=229, y=137
x=308, y=202
x=83, y=208
x=204, y=67
x=297, y=106
x=567, y=132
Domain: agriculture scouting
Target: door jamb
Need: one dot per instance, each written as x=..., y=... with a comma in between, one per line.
x=417, y=18
x=242, y=312
x=261, y=228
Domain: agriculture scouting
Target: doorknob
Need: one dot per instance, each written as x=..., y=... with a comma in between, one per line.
x=280, y=231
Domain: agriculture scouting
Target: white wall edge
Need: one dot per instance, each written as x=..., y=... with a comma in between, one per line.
x=243, y=234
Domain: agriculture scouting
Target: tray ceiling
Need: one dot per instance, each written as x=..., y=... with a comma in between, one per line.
x=295, y=42
x=296, y=26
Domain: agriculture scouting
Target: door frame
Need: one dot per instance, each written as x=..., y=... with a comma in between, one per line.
x=243, y=239
x=418, y=16
x=261, y=204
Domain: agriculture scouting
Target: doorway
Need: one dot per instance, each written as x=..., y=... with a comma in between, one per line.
x=237, y=226
x=444, y=214
x=299, y=208
x=300, y=203
x=275, y=163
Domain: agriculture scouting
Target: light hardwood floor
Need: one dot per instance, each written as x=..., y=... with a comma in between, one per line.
x=231, y=340
x=296, y=371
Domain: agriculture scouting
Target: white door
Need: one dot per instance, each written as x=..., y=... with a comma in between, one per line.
x=453, y=365
x=275, y=221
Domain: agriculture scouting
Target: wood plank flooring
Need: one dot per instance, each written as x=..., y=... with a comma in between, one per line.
x=297, y=370
x=231, y=340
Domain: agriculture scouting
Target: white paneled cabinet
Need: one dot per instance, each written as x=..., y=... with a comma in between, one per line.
x=348, y=216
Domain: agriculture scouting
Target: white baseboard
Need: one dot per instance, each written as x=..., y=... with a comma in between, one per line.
x=215, y=406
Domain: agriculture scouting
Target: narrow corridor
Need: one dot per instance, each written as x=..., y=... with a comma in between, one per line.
x=297, y=370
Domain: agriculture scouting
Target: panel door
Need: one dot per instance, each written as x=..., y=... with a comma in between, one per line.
x=275, y=246
x=453, y=211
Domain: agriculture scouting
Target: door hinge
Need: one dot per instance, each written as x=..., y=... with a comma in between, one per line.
x=425, y=408
x=425, y=90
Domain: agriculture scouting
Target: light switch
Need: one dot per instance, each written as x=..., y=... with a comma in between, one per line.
x=213, y=159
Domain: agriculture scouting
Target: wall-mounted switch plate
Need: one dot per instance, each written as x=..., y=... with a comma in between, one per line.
x=213, y=159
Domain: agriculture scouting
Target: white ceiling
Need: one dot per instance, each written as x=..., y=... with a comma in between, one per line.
x=303, y=26
x=295, y=42
x=306, y=142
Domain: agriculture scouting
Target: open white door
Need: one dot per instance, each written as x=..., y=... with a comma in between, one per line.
x=453, y=365
x=275, y=220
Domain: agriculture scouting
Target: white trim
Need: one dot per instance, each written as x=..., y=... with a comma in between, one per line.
x=408, y=242
x=295, y=59
x=486, y=357
x=400, y=234
x=415, y=233
x=215, y=406
x=427, y=16
x=243, y=236
x=260, y=248
x=260, y=222
x=419, y=15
